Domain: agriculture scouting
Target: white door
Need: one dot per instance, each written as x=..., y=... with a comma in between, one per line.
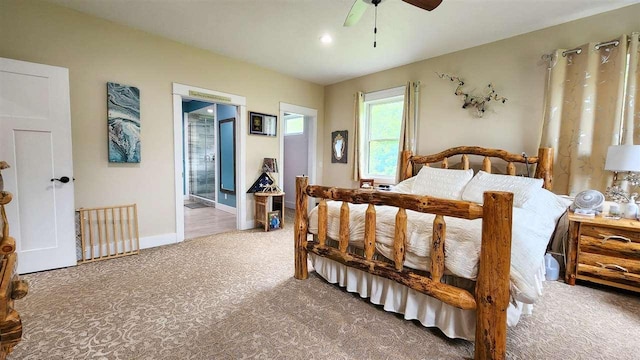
x=35, y=139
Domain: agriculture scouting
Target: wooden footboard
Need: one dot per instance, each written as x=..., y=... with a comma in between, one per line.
x=491, y=297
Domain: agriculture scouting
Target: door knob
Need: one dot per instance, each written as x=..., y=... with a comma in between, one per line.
x=64, y=179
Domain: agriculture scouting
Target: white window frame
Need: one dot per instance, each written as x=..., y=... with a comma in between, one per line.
x=289, y=117
x=375, y=98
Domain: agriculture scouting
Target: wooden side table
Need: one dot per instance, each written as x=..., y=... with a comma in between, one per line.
x=604, y=251
x=267, y=202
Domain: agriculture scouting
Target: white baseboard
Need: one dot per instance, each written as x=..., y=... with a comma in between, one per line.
x=158, y=240
x=290, y=204
x=226, y=208
x=250, y=224
x=145, y=243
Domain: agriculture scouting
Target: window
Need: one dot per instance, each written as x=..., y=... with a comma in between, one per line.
x=293, y=124
x=381, y=128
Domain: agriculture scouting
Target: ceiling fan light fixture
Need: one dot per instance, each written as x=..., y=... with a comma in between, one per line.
x=326, y=39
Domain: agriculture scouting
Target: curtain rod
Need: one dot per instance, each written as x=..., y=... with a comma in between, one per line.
x=597, y=47
x=549, y=57
x=416, y=83
x=607, y=43
x=572, y=51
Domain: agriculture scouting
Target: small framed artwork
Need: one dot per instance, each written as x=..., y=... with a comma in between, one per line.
x=262, y=124
x=274, y=220
x=339, y=146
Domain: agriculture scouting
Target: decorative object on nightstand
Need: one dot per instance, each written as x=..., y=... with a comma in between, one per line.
x=588, y=202
x=624, y=158
x=631, y=209
x=366, y=183
x=605, y=251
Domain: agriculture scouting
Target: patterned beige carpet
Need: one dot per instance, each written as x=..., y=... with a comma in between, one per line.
x=232, y=296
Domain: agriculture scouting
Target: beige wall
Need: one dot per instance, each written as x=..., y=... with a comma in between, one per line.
x=98, y=51
x=514, y=67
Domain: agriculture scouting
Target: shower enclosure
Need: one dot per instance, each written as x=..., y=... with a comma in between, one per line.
x=202, y=156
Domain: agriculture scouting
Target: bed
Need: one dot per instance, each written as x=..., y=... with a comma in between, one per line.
x=445, y=247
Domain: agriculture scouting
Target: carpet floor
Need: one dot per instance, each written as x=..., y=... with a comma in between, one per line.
x=232, y=296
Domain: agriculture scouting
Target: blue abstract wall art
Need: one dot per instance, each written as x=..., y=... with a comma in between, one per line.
x=123, y=106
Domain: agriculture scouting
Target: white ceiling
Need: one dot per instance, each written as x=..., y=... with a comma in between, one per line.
x=283, y=35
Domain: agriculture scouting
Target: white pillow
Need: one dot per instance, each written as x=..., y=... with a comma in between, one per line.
x=405, y=186
x=441, y=183
x=523, y=188
x=546, y=203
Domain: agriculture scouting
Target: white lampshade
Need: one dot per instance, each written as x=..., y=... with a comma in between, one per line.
x=623, y=158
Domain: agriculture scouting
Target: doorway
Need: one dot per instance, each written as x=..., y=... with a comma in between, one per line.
x=297, y=148
x=296, y=154
x=208, y=168
x=207, y=152
x=199, y=160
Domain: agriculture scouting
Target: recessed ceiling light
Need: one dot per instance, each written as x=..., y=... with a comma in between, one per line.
x=326, y=39
x=210, y=111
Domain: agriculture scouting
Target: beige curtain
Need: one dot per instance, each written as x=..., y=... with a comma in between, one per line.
x=632, y=94
x=408, y=127
x=583, y=113
x=358, y=105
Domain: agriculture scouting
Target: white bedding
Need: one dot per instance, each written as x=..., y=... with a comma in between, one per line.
x=533, y=225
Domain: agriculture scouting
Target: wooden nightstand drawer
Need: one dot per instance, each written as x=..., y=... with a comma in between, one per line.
x=610, y=262
x=602, y=232
x=611, y=246
x=607, y=276
x=605, y=251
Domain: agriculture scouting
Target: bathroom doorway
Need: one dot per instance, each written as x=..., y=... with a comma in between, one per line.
x=200, y=156
x=208, y=190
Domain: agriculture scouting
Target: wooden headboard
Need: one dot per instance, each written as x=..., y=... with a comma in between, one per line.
x=544, y=161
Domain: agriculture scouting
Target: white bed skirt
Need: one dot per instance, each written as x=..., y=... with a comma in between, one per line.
x=395, y=297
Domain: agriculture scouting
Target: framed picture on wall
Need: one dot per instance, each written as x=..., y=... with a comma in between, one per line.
x=262, y=124
x=339, y=146
x=123, y=117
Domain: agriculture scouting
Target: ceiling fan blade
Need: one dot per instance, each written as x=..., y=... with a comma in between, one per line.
x=358, y=8
x=424, y=4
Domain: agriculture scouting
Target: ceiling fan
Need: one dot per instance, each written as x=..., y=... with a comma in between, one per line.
x=360, y=6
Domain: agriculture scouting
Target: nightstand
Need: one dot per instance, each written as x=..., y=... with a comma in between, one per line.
x=268, y=203
x=604, y=251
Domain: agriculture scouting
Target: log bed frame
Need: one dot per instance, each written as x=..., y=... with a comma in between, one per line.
x=491, y=297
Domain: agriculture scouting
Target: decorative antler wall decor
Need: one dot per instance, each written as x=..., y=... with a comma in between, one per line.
x=477, y=102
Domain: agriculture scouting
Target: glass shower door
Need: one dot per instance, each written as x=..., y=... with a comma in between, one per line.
x=202, y=155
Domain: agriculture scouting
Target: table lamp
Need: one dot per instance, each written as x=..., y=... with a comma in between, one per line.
x=623, y=158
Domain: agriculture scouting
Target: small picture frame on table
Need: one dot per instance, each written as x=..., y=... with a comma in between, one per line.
x=274, y=220
x=262, y=124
